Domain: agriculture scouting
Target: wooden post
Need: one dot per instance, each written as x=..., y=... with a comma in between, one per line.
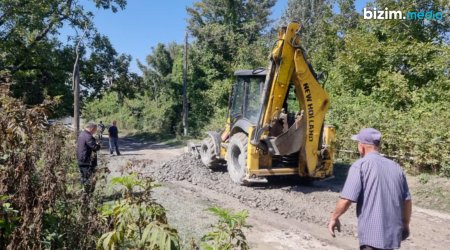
x=76, y=96
x=76, y=85
x=185, y=101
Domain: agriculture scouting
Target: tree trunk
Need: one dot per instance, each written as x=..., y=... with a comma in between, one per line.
x=76, y=85
x=76, y=96
x=185, y=102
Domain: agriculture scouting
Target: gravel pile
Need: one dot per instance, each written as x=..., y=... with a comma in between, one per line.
x=182, y=168
x=311, y=203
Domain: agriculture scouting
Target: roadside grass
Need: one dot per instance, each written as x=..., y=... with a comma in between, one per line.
x=430, y=191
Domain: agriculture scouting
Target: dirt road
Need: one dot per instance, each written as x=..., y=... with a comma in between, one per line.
x=283, y=214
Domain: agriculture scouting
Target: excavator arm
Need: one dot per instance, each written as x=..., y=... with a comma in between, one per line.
x=288, y=65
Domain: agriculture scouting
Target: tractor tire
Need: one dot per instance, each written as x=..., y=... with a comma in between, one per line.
x=237, y=158
x=207, y=153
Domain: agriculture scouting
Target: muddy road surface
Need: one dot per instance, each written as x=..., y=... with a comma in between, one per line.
x=284, y=214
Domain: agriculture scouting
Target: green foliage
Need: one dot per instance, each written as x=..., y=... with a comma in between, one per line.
x=40, y=63
x=43, y=207
x=391, y=75
x=38, y=174
x=8, y=219
x=130, y=182
x=221, y=27
x=106, y=69
x=138, y=226
x=137, y=221
x=139, y=113
x=424, y=178
x=409, y=137
x=229, y=35
x=156, y=108
x=108, y=109
x=227, y=234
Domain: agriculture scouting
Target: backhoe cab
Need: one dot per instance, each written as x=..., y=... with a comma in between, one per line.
x=276, y=120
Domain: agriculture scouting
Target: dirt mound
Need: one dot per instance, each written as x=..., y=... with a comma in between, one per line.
x=286, y=198
x=182, y=168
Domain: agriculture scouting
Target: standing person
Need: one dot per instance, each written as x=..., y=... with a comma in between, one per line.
x=379, y=188
x=113, y=138
x=86, y=154
x=101, y=128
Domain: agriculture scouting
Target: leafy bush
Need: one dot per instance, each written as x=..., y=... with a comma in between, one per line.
x=140, y=113
x=8, y=219
x=424, y=178
x=227, y=233
x=417, y=138
x=108, y=109
x=43, y=205
x=39, y=175
x=137, y=221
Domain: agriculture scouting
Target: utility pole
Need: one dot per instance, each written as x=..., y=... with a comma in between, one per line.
x=185, y=101
x=76, y=85
x=76, y=96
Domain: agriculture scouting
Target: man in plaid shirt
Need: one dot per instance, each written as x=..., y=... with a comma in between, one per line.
x=379, y=188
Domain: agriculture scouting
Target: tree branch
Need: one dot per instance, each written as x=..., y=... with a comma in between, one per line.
x=61, y=17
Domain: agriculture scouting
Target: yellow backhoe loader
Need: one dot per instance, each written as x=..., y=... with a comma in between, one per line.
x=276, y=120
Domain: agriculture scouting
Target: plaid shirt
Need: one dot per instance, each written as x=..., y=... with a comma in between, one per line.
x=379, y=187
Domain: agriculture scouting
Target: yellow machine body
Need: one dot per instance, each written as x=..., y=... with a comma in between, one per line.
x=303, y=147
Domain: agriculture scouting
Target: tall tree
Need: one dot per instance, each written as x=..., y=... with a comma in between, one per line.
x=394, y=75
x=38, y=62
x=223, y=27
x=157, y=72
x=306, y=12
x=161, y=89
x=228, y=35
x=309, y=13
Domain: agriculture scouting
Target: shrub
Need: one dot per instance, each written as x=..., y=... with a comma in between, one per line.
x=137, y=221
x=39, y=175
x=227, y=233
x=140, y=113
x=417, y=138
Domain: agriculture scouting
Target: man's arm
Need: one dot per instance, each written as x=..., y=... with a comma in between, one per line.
x=92, y=144
x=407, y=208
x=341, y=207
x=407, y=211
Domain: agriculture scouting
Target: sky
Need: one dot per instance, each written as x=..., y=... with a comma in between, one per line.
x=145, y=23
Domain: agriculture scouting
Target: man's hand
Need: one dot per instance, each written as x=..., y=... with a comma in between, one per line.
x=405, y=232
x=341, y=206
x=334, y=224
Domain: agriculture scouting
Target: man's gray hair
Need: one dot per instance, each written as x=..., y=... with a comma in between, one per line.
x=90, y=125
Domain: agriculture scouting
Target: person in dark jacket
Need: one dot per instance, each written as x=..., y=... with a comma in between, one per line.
x=113, y=138
x=87, y=149
x=101, y=129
